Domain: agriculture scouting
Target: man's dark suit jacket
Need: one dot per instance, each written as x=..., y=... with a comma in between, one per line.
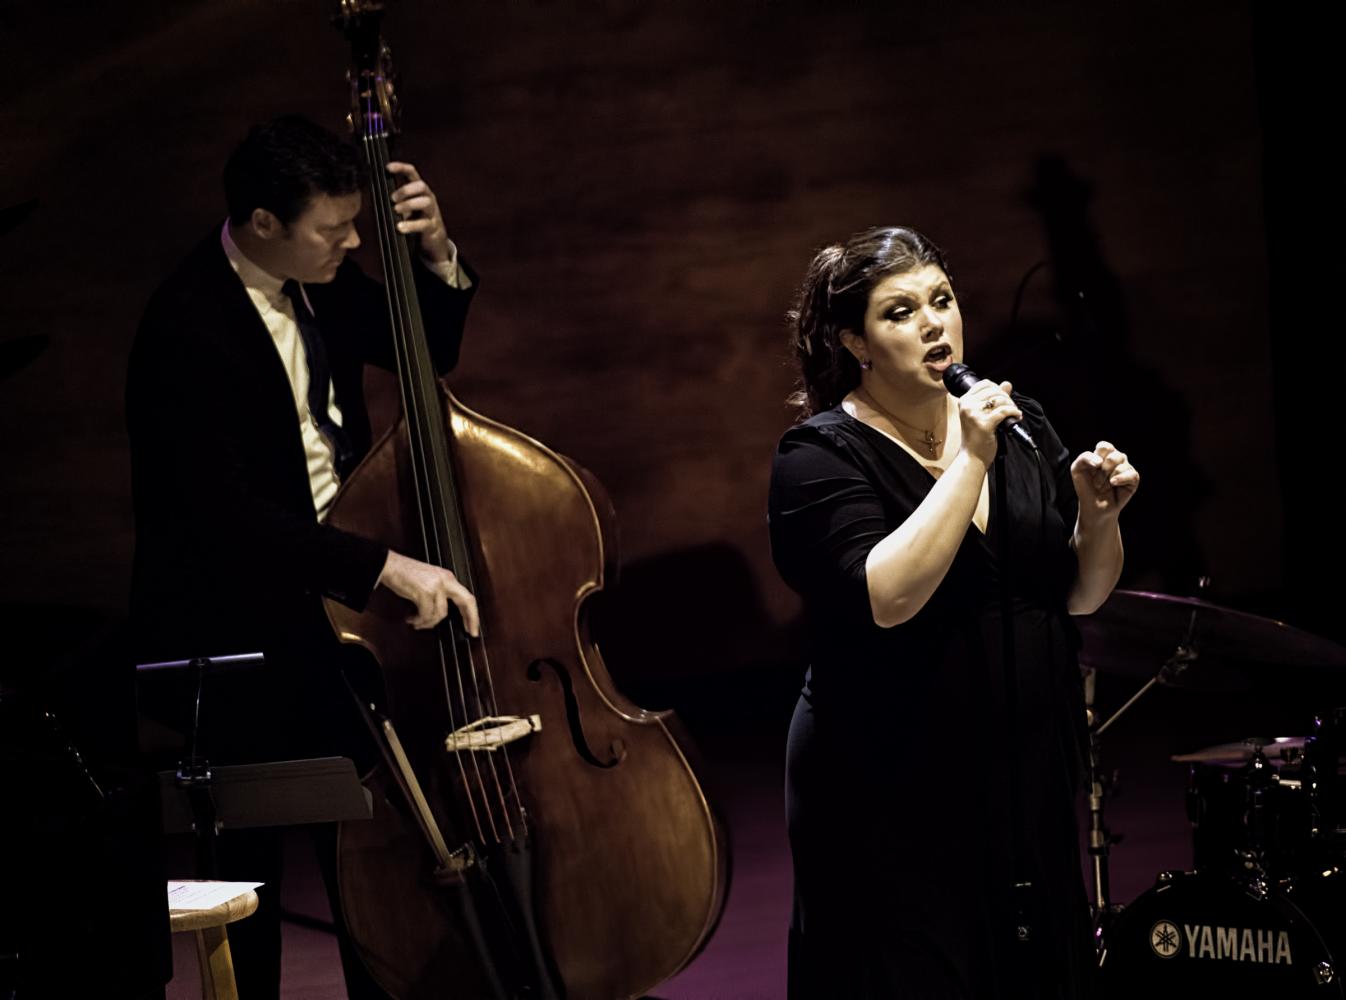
x=230, y=556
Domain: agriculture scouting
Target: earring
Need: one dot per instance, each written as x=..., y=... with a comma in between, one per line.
x=866, y=364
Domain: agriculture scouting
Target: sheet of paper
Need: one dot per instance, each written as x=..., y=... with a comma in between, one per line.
x=204, y=895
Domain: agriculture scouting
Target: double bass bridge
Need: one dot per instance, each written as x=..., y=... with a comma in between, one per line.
x=492, y=732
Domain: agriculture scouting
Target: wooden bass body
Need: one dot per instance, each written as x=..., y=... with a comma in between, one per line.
x=629, y=861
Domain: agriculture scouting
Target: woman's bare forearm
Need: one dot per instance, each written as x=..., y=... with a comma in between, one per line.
x=903, y=570
x=1098, y=548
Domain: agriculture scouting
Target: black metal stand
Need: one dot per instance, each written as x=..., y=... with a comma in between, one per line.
x=204, y=800
x=275, y=793
x=1100, y=837
x=193, y=776
x=1021, y=886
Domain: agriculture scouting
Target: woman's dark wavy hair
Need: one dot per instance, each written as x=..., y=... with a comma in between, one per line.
x=283, y=163
x=834, y=297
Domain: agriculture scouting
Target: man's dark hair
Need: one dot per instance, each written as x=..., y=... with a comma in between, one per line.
x=283, y=163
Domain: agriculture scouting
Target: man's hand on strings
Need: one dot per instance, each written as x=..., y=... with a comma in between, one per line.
x=419, y=211
x=431, y=588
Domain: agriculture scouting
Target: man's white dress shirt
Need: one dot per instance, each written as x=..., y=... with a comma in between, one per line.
x=277, y=314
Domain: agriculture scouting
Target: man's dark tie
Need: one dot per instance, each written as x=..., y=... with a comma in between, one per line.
x=319, y=379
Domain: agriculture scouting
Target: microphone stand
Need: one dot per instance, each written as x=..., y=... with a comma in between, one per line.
x=1021, y=887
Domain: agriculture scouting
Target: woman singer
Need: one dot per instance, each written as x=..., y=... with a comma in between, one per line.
x=905, y=765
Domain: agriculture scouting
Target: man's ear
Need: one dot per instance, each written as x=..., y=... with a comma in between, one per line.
x=265, y=224
x=854, y=343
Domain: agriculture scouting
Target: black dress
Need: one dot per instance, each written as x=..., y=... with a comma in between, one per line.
x=899, y=760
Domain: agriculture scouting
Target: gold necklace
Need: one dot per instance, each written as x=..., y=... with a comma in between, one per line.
x=927, y=436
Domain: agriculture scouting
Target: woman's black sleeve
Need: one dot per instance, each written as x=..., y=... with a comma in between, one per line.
x=824, y=516
x=1056, y=457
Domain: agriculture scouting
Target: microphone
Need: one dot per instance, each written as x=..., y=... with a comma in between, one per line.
x=958, y=379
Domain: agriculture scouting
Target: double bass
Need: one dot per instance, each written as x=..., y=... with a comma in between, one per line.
x=535, y=833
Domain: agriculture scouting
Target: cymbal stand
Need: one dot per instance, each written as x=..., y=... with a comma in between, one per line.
x=1260, y=780
x=1100, y=837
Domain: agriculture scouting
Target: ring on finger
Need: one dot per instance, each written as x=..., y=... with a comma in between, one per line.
x=990, y=404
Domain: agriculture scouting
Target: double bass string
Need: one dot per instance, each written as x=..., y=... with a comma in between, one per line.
x=509, y=768
x=407, y=366
x=419, y=395
x=448, y=511
x=414, y=395
x=546, y=916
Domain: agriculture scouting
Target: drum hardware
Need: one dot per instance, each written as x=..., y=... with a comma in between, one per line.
x=1285, y=748
x=1217, y=649
x=1257, y=918
x=1261, y=780
x=1238, y=652
x=1101, y=838
x=1200, y=934
x=1275, y=806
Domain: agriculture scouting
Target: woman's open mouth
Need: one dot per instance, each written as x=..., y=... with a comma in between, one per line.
x=939, y=357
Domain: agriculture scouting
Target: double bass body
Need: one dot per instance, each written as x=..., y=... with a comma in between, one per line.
x=628, y=860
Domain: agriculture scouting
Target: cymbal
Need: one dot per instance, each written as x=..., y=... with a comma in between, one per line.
x=1136, y=633
x=1273, y=748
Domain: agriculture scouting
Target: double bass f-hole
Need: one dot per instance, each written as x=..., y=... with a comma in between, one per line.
x=577, y=737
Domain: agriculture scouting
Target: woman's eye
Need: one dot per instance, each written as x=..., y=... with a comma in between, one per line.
x=943, y=301
x=898, y=315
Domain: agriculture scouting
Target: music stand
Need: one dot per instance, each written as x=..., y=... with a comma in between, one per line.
x=201, y=799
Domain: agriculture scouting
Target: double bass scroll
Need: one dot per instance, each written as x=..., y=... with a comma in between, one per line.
x=584, y=859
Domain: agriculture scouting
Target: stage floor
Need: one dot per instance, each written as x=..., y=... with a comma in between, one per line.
x=743, y=750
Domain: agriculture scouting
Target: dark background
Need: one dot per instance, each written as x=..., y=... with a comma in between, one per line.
x=641, y=186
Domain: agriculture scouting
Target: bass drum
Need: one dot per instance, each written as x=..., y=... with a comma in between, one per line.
x=1196, y=935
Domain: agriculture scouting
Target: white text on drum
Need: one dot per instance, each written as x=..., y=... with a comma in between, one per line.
x=1265, y=946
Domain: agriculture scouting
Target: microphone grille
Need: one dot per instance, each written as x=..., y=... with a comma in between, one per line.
x=959, y=378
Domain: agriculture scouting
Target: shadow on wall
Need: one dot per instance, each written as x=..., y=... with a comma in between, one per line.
x=1069, y=334
x=18, y=352
x=692, y=612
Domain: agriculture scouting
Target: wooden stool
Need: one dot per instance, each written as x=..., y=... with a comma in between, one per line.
x=212, y=944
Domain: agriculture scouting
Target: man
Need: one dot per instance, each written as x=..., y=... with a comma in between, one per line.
x=245, y=410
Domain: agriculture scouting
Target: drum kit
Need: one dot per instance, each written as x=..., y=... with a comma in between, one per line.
x=1264, y=912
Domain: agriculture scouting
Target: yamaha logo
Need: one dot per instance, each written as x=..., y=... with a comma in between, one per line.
x=1165, y=939
x=1260, y=945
